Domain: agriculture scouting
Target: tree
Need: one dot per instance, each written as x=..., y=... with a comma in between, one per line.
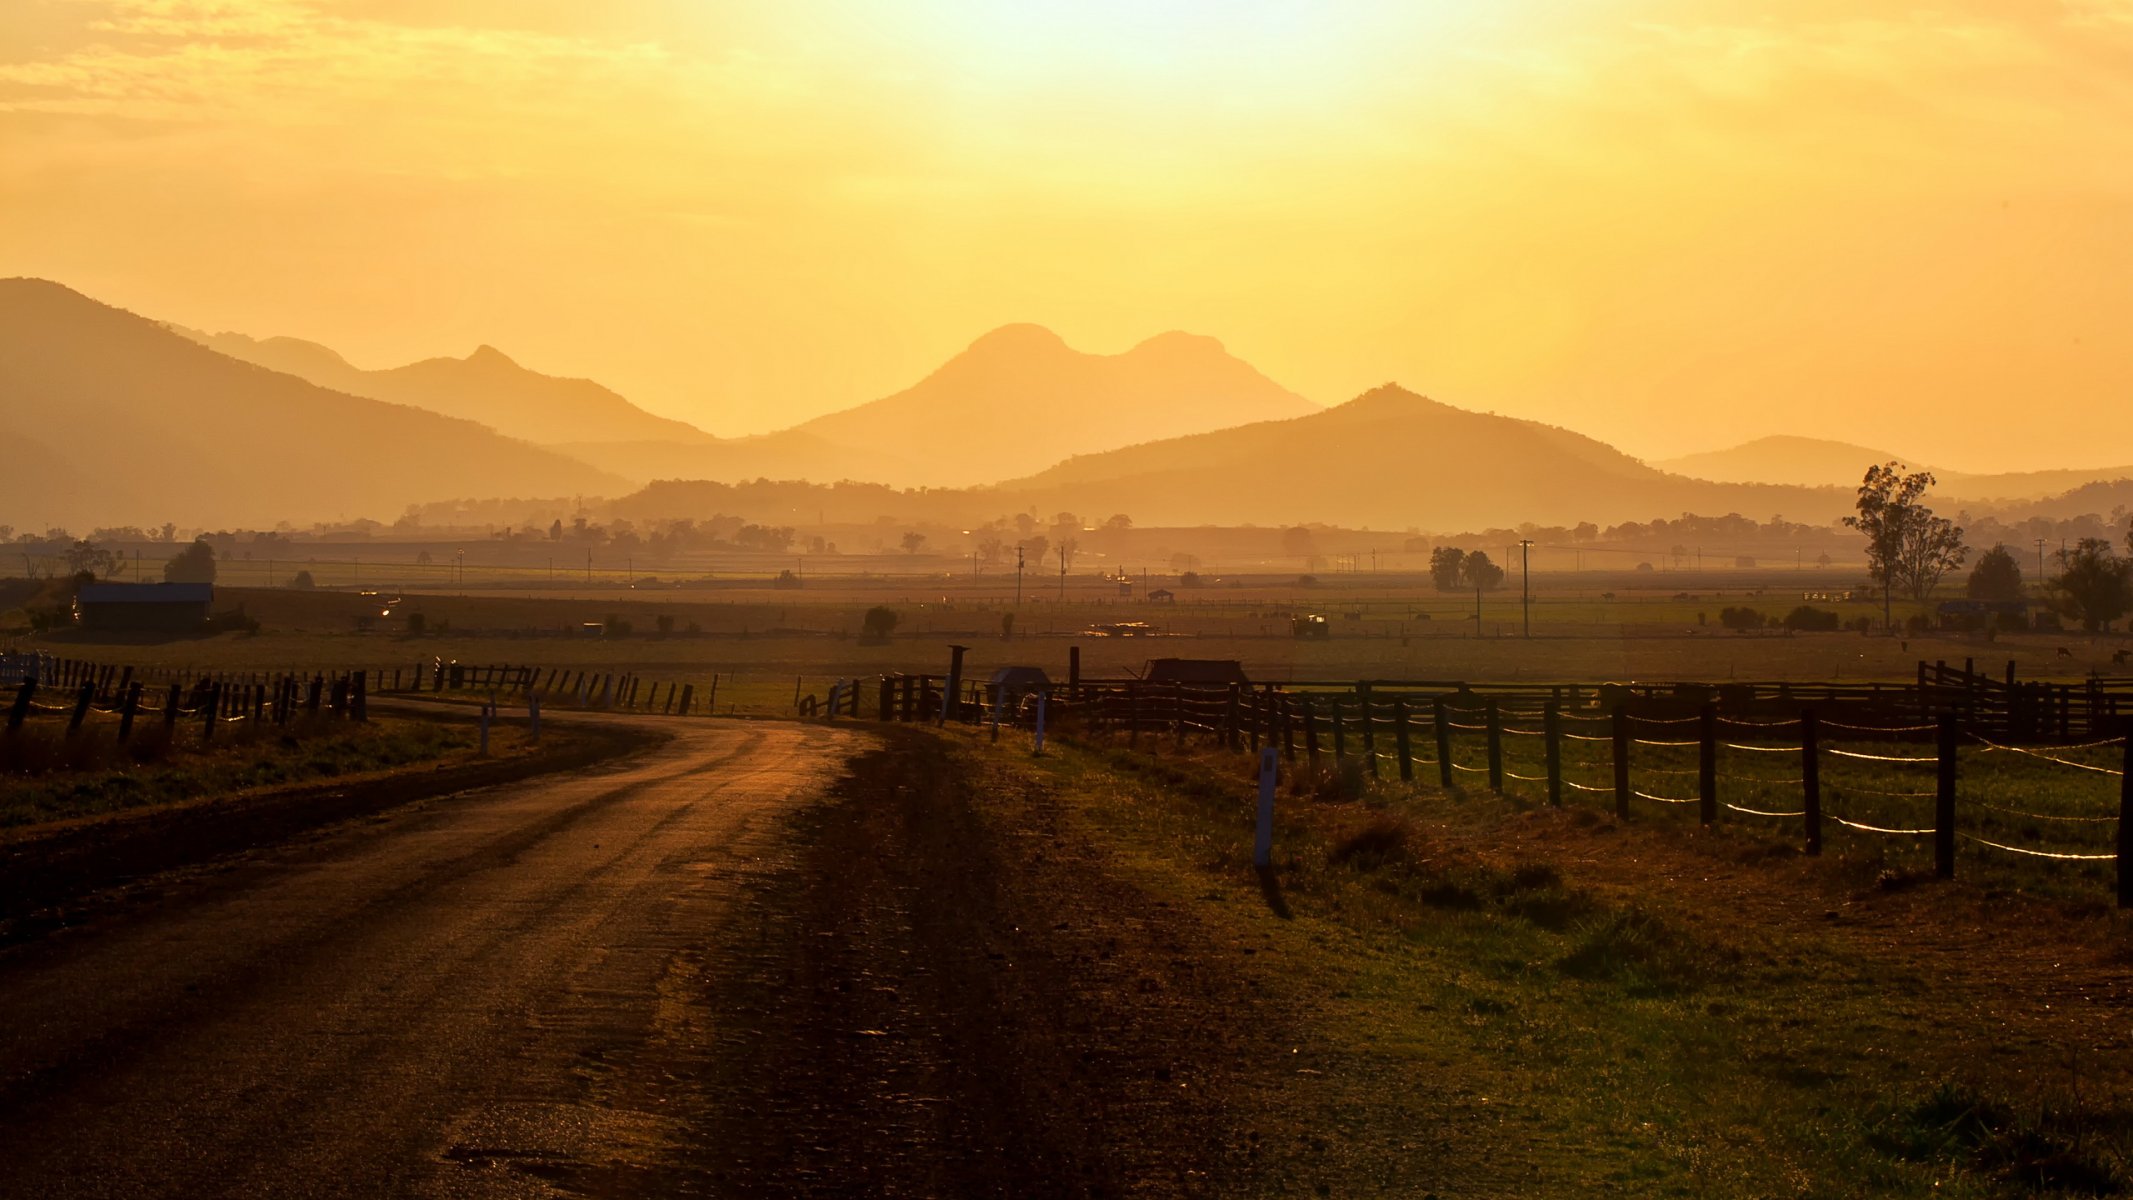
x=912, y=541
x=2094, y=585
x=87, y=558
x=878, y=624
x=194, y=564
x=1298, y=542
x=1906, y=545
x=1119, y=522
x=303, y=581
x=1447, y=568
x=1997, y=576
x=555, y=530
x=1480, y=573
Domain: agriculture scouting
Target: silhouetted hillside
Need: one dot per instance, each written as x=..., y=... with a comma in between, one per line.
x=1818, y=461
x=163, y=428
x=1392, y=459
x=485, y=386
x=1805, y=461
x=1020, y=399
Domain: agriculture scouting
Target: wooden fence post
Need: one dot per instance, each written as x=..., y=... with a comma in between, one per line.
x=1370, y=732
x=1811, y=777
x=2125, y=827
x=171, y=704
x=1231, y=736
x=126, y=714
x=1552, y=735
x=1492, y=717
x=20, y=709
x=1944, y=801
x=1310, y=720
x=1442, y=720
x=1403, y=741
x=1621, y=762
x=688, y=697
x=1340, y=736
x=1133, y=716
x=1707, y=764
x=209, y=709
x=84, y=696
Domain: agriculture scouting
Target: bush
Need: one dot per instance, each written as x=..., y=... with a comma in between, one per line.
x=1860, y=624
x=303, y=581
x=878, y=624
x=1809, y=619
x=1740, y=619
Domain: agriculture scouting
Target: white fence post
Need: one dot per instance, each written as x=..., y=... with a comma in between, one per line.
x=1263, y=844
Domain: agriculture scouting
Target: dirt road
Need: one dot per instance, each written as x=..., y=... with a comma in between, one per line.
x=760, y=959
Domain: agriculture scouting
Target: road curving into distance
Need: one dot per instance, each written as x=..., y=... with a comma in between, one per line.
x=443, y=999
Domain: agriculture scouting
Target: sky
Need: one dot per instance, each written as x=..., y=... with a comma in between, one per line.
x=1672, y=224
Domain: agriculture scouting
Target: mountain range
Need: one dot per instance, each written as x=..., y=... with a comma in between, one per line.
x=217, y=429
x=1821, y=462
x=120, y=420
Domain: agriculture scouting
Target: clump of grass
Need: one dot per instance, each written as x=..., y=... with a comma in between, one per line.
x=1383, y=841
x=2035, y=1151
x=1637, y=950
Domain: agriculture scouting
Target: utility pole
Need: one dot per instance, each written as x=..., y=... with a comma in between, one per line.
x=1525, y=581
x=1018, y=577
x=2040, y=563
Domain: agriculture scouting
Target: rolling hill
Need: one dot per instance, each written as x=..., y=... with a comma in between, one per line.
x=1783, y=458
x=1815, y=462
x=1393, y=459
x=485, y=386
x=164, y=428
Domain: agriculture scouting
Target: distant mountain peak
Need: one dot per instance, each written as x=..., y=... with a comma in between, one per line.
x=486, y=355
x=1018, y=338
x=1176, y=343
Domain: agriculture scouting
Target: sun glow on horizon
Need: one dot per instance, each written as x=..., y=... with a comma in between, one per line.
x=1662, y=222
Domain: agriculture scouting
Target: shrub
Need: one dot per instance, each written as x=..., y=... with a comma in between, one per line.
x=1809, y=619
x=879, y=623
x=1740, y=619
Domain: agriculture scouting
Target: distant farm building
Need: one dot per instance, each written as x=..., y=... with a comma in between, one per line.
x=1311, y=625
x=1196, y=672
x=1162, y=596
x=143, y=607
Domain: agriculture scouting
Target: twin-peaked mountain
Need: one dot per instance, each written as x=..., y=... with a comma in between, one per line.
x=1020, y=399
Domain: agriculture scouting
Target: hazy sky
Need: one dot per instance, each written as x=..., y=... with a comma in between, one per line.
x=1670, y=223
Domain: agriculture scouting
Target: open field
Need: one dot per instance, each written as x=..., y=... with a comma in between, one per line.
x=1499, y=998
x=763, y=642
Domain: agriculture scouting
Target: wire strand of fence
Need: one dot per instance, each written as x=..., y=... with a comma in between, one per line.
x=1525, y=732
x=1828, y=724
x=1575, y=785
x=1470, y=770
x=1663, y=799
x=1759, y=812
x=1643, y=720
x=1737, y=723
x=1861, y=825
x=1847, y=789
x=1763, y=749
x=1579, y=737
x=1990, y=747
x=1914, y=759
x=1650, y=742
x=2037, y=816
x=2036, y=853
x=1525, y=778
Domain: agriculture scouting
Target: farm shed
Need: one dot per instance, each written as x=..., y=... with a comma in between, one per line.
x=1162, y=596
x=143, y=607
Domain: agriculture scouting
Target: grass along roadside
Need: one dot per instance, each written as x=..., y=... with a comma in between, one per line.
x=242, y=762
x=1561, y=1005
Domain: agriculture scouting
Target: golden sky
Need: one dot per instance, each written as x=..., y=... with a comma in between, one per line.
x=1669, y=223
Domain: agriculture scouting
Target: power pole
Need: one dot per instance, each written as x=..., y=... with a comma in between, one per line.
x=1525, y=582
x=1018, y=577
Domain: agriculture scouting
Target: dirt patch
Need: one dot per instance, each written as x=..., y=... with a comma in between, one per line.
x=947, y=992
